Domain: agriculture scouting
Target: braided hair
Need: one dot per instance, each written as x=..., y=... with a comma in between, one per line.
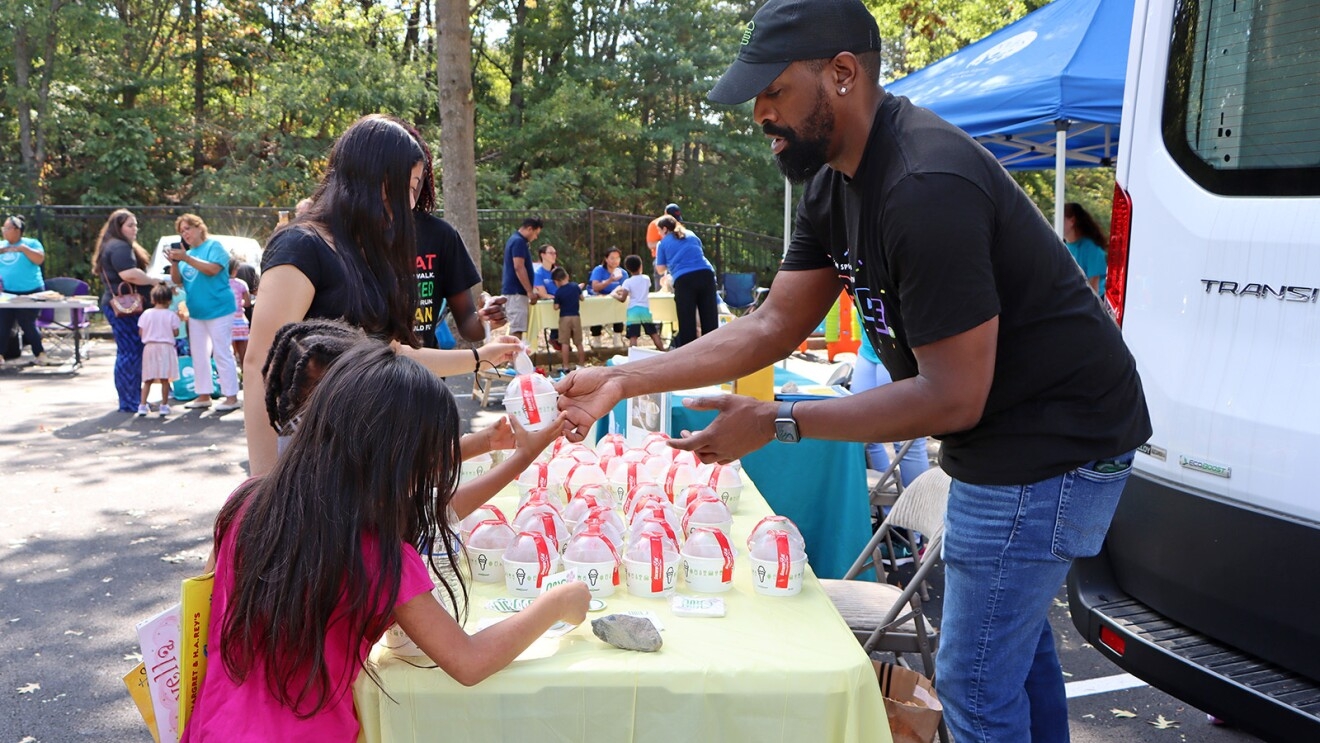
x=299, y=356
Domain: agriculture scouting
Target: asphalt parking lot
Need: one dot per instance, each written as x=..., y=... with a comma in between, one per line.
x=102, y=514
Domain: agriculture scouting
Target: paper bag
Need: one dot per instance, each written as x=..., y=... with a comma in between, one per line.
x=910, y=702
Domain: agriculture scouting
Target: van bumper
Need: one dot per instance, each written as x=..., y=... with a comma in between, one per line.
x=1251, y=694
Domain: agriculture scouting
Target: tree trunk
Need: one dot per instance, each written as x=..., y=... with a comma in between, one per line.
x=457, y=121
x=199, y=87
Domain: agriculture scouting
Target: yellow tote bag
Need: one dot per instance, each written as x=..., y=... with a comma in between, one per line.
x=194, y=626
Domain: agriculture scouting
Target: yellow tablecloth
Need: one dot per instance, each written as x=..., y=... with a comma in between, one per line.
x=773, y=669
x=597, y=310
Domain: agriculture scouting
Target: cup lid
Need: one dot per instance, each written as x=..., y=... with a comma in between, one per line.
x=777, y=522
x=491, y=534
x=772, y=544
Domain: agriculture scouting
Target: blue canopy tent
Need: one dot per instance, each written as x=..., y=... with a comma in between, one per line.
x=1044, y=92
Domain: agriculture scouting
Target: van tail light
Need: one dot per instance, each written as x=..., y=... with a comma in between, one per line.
x=1120, y=234
x=1112, y=640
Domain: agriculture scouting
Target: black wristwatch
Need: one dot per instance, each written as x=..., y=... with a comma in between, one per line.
x=786, y=429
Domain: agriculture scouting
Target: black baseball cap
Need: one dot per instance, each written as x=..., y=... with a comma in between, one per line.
x=785, y=31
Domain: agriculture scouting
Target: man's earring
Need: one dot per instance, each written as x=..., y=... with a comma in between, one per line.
x=842, y=91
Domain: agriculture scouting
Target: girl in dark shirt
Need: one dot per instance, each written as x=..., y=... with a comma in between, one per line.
x=348, y=256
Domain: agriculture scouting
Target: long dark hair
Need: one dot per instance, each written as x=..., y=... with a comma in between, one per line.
x=113, y=229
x=376, y=457
x=1086, y=226
x=426, y=194
x=376, y=238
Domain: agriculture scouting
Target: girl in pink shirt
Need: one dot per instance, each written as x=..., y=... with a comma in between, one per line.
x=316, y=559
x=158, y=327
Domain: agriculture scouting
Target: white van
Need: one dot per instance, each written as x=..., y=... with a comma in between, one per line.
x=1209, y=584
x=245, y=249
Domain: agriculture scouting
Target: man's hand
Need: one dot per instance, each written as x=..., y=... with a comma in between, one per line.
x=492, y=312
x=586, y=396
x=744, y=424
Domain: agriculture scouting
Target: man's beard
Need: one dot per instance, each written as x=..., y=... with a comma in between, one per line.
x=806, y=153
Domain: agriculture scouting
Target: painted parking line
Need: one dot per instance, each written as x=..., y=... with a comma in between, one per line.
x=1101, y=685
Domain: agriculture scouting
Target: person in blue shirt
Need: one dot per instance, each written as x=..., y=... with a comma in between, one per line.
x=544, y=284
x=517, y=286
x=20, y=271
x=568, y=300
x=681, y=256
x=1085, y=240
x=604, y=279
x=201, y=265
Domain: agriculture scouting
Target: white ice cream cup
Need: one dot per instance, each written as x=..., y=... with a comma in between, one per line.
x=782, y=577
x=533, y=411
x=600, y=577
x=486, y=565
x=523, y=579
x=642, y=581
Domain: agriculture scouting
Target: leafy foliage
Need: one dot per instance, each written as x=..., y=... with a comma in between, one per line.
x=579, y=103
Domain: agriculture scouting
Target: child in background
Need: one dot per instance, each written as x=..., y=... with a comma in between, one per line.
x=316, y=559
x=636, y=290
x=242, y=301
x=568, y=300
x=302, y=352
x=160, y=360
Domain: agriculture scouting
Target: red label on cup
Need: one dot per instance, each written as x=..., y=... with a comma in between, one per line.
x=714, y=478
x=529, y=401
x=495, y=512
x=669, y=481
x=784, y=558
x=542, y=557
x=657, y=562
x=615, y=554
x=632, y=476
x=727, y=550
x=542, y=474
x=548, y=523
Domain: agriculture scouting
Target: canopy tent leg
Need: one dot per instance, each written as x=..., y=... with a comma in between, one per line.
x=1060, y=164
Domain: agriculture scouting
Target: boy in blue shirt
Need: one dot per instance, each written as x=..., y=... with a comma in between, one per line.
x=568, y=300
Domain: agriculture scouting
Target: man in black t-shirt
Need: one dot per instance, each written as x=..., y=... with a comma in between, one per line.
x=993, y=338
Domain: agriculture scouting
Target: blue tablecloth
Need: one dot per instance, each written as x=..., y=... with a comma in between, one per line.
x=820, y=485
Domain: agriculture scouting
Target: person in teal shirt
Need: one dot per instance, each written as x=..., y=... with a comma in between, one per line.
x=1083, y=237
x=202, y=266
x=20, y=271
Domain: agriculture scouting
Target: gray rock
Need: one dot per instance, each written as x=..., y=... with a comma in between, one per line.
x=629, y=633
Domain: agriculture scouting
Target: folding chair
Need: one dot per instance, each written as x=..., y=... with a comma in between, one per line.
x=887, y=618
x=740, y=294
x=55, y=323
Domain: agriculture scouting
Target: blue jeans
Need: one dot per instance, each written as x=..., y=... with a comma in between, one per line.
x=1007, y=549
x=868, y=375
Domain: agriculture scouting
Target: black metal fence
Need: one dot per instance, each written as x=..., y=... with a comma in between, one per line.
x=580, y=236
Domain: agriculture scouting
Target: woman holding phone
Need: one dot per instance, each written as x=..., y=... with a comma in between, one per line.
x=201, y=265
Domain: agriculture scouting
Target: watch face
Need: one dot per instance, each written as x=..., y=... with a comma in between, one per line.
x=786, y=431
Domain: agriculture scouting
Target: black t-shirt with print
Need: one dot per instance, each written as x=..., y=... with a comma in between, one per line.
x=306, y=251
x=933, y=238
x=444, y=269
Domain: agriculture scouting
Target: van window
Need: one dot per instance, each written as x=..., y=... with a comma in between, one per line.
x=1242, y=100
